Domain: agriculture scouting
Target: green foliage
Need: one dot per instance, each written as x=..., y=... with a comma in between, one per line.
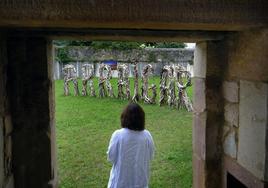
x=84, y=126
x=119, y=45
x=62, y=55
x=170, y=45
x=115, y=45
x=71, y=43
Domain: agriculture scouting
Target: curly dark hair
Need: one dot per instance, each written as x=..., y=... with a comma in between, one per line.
x=133, y=117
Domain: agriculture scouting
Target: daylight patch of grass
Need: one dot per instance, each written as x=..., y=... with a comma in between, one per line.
x=84, y=125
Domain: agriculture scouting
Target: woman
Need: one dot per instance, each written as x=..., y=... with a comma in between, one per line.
x=130, y=150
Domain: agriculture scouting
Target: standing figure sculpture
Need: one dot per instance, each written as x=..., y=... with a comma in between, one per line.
x=127, y=83
x=163, y=85
x=109, y=86
x=87, y=76
x=105, y=74
x=102, y=90
x=70, y=75
x=136, y=96
x=183, y=79
x=171, y=87
x=123, y=81
x=146, y=72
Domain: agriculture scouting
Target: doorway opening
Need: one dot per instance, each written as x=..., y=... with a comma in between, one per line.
x=84, y=123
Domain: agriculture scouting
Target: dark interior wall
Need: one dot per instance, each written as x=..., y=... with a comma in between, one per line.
x=28, y=90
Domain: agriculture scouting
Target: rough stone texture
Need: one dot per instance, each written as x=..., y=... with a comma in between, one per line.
x=252, y=146
x=29, y=91
x=230, y=91
x=149, y=55
x=229, y=144
x=231, y=113
x=208, y=99
x=199, y=135
x=199, y=98
x=214, y=109
x=180, y=15
x=200, y=60
x=247, y=55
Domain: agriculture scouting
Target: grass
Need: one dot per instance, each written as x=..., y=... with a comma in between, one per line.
x=84, y=125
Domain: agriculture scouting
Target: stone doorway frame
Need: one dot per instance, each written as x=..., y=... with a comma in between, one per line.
x=207, y=97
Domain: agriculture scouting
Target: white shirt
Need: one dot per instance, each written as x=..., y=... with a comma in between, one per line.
x=130, y=152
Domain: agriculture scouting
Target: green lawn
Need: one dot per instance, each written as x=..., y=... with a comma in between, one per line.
x=84, y=126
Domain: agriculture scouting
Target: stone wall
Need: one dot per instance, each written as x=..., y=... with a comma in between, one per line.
x=158, y=57
x=245, y=91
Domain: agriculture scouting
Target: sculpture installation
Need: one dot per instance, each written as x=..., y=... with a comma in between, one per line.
x=87, y=76
x=174, y=78
x=146, y=72
x=136, y=96
x=70, y=75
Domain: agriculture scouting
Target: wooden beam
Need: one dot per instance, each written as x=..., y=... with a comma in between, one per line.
x=120, y=34
x=140, y=14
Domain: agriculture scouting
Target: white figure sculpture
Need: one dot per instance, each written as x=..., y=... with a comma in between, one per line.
x=171, y=86
x=183, y=80
x=163, y=86
x=123, y=81
x=105, y=74
x=146, y=72
x=136, y=96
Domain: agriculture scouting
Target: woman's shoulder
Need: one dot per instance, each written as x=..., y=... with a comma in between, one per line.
x=147, y=132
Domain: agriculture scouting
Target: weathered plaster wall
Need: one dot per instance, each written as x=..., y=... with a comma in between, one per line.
x=245, y=92
x=247, y=56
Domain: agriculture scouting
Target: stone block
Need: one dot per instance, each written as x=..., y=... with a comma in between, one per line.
x=231, y=113
x=199, y=98
x=230, y=91
x=198, y=172
x=200, y=60
x=252, y=132
x=229, y=144
x=199, y=135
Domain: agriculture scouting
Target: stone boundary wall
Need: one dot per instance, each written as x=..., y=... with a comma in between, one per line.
x=158, y=57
